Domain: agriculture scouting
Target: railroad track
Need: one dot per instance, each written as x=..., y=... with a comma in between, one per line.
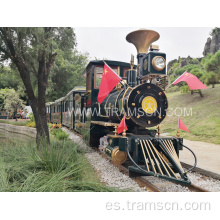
x=147, y=184
x=142, y=182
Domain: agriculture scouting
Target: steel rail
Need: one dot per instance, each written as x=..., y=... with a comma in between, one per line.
x=141, y=181
x=147, y=184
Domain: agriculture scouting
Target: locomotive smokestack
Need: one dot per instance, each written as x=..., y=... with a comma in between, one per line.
x=142, y=39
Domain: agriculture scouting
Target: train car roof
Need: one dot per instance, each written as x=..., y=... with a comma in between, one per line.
x=109, y=62
x=60, y=99
x=76, y=89
x=49, y=103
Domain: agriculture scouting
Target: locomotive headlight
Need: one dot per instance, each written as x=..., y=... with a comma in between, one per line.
x=158, y=63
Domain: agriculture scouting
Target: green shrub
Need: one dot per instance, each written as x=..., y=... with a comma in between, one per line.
x=31, y=117
x=173, y=89
x=185, y=89
x=59, y=134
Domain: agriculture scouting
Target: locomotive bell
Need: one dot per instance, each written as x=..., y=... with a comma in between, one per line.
x=142, y=39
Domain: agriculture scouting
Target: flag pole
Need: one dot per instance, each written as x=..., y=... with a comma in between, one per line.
x=178, y=131
x=174, y=81
x=177, y=78
x=124, y=133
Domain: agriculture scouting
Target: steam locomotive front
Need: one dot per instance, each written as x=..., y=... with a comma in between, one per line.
x=142, y=100
x=146, y=105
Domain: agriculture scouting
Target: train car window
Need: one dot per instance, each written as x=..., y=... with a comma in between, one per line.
x=88, y=79
x=68, y=103
x=71, y=102
x=64, y=106
x=77, y=107
x=98, y=74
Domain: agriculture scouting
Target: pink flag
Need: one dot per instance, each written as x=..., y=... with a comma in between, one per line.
x=192, y=81
x=182, y=126
x=122, y=126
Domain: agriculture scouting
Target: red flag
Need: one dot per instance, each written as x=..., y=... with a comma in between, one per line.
x=192, y=81
x=182, y=126
x=109, y=80
x=122, y=126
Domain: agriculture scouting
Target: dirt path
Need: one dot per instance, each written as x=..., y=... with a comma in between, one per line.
x=208, y=155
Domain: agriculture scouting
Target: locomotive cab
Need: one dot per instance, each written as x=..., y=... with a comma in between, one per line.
x=97, y=116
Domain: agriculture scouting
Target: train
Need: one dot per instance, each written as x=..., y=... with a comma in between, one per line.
x=140, y=97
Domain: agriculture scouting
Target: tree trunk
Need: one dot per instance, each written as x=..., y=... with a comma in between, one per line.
x=213, y=86
x=200, y=93
x=39, y=112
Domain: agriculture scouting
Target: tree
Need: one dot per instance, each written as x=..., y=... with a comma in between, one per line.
x=211, y=78
x=33, y=52
x=195, y=69
x=3, y=93
x=8, y=78
x=212, y=67
x=215, y=31
x=12, y=101
x=66, y=73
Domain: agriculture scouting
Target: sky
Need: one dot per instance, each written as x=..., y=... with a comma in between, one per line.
x=110, y=43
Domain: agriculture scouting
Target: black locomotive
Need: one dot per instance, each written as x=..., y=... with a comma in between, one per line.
x=140, y=97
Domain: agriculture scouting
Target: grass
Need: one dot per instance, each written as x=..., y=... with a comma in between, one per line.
x=59, y=134
x=204, y=124
x=62, y=167
x=19, y=122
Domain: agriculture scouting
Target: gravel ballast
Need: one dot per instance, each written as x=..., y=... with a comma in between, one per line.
x=107, y=172
x=112, y=177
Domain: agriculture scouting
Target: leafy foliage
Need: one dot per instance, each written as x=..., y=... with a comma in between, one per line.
x=173, y=89
x=216, y=30
x=185, y=89
x=33, y=52
x=213, y=63
x=68, y=65
x=66, y=73
x=12, y=101
x=207, y=70
x=59, y=134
